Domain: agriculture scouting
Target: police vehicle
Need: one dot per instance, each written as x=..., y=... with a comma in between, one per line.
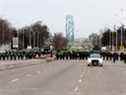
x=95, y=59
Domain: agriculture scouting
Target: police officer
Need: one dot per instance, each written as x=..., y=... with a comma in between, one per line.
x=26, y=55
x=0, y=56
x=11, y=55
x=83, y=55
x=14, y=55
x=121, y=56
x=57, y=55
x=3, y=55
x=86, y=55
x=109, y=55
x=103, y=55
x=7, y=55
x=21, y=55
x=124, y=56
x=115, y=57
x=67, y=55
x=79, y=55
x=73, y=54
x=30, y=55
x=61, y=55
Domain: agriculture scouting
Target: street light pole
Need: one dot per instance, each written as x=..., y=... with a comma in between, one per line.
x=121, y=36
x=34, y=37
x=110, y=40
x=116, y=37
x=38, y=39
x=122, y=27
x=30, y=37
x=2, y=33
x=23, y=38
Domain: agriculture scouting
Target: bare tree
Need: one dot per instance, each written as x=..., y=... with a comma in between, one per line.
x=59, y=41
x=34, y=35
x=5, y=31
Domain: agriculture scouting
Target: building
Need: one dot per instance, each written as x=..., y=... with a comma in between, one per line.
x=70, y=29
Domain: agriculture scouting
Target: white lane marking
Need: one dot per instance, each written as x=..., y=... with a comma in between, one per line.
x=28, y=75
x=80, y=81
x=14, y=80
x=76, y=89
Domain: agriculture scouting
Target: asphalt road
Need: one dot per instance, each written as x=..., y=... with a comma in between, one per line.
x=109, y=80
x=64, y=78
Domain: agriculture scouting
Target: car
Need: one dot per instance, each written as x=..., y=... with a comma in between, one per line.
x=95, y=59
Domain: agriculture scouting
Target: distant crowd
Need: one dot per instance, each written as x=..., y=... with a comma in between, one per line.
x=22, y=55
x=62, y=55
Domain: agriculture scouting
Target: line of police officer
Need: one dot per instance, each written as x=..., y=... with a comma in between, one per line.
x=20, y=55
x=63, y=55
x=14, y=55
x=114, y=56
x=60, y=55
x=71, y=55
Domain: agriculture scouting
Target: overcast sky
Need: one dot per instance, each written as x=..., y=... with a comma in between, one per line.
x=89, y=15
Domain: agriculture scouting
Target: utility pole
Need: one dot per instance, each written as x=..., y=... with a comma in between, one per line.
x=18, y=39
x=110, y=40
x=2, y=33
x=121, y=36
x=23, y=38
x=34, y=37
x=116, y=37
x=122, y=27
x=30, y=38
x=38, y=39
x=112, y=43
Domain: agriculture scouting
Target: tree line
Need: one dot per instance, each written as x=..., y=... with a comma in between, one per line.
x=114, y=38
x=34, y=35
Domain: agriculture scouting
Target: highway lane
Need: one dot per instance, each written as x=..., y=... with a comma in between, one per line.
x=64, y=78
x=109, y=80
x=55, y=78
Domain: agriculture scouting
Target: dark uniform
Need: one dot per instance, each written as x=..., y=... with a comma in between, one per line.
x=103, y=55
x=87, y=54
x=3, y=55
x=109, y=56
x=70, y=54
x=22, y=55
x=115, y=57
x=57, y=55
x=14, y=55
x=11, y=55
x=0, y=56
x=122, y=56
